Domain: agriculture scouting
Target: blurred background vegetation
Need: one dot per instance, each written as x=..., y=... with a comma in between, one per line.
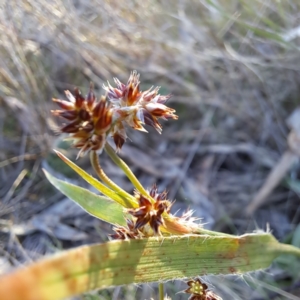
x=233, y=69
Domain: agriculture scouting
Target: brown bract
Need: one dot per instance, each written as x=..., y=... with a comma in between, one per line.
x=199, y=291
x=151, y=213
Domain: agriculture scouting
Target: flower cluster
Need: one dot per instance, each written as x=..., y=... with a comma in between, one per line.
x=198, y=291
x=135, y=108
x=126, y=233
x=151, y=213
x=92, y=121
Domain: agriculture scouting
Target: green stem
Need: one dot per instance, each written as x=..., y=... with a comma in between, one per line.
x=121, y=164
x=97, y=184
x=101, y=174
x=161, y=291
x=288, y=249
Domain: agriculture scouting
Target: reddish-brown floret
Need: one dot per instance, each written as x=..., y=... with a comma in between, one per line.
x=198, y=291
x=126, y=233
x=138, y=107
x=151, y=213
x=90, y=121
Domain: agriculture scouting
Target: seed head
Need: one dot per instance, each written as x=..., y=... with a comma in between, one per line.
x=90, y=120
x=136, y=107
x=126, y=233
x=198, y=291
x=151, y=213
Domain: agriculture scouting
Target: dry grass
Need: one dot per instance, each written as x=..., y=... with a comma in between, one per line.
x=233, y=68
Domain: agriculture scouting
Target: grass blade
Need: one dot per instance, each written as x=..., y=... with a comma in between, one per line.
x=99, y=206
x=137, y=261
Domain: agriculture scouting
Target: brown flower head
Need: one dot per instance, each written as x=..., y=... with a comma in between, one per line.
x=135, y=108
x=198, y=291
x=151, y=213
x=89, y=120
x=126, y=233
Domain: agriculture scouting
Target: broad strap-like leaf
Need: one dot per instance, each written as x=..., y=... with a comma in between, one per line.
x=99, y=206
x=139, y=261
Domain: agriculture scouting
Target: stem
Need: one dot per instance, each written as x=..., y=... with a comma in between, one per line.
x=121, y=164
x=161, y=291
x=99, y=171
x=289, y=249
x=94, y=182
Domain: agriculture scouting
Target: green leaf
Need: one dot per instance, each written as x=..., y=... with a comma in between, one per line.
x=98, y=206
x=139, y=261
x=125, y=202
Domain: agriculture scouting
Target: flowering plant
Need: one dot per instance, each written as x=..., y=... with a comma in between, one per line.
x=151, y=244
